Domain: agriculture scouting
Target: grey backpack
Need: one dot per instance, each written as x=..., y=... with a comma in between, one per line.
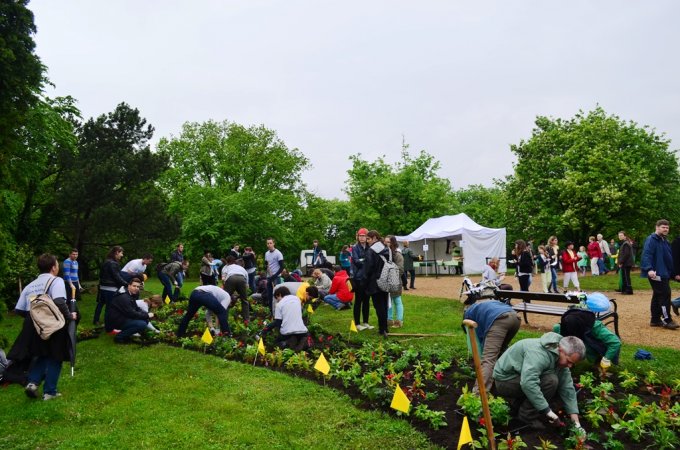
x=389, y=280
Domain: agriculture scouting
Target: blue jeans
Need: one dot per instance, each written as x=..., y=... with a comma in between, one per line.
x=198, y=299
x=47, y=368
x=398, y=306
x=601, y=266
x=251, y=281
x=130, y=327
x=553, y=278
x=168, y=287
x=334, y=301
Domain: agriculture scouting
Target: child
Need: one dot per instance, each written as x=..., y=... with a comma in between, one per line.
x=153, y=302
x=583, y=262
x=543, y=263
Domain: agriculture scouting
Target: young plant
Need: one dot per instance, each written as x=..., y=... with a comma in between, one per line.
x=545, y=445
x=511, y=443
x=470, y=403
x=611, y=443
x=436, y=419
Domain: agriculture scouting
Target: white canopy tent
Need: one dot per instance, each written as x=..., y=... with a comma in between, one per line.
x=478, y=242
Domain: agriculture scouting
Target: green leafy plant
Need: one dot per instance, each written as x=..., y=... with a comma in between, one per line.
x=436, y=419
x=511, y=443
x=665, y=439
x=545, y=445
x=470, y=403
x=611, y=443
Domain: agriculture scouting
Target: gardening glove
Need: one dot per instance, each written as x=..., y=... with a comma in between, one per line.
x=605, y=363
x=552, y=417
x=579, y=429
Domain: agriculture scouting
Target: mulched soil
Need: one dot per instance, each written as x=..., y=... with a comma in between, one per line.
x=633, y=310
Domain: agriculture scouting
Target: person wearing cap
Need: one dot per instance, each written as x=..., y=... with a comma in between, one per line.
x=569, y=267
x=361, y=305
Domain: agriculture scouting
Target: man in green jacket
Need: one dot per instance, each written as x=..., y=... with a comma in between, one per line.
x=533, y=371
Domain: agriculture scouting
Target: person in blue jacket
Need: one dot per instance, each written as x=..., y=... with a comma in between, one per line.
x=497, y=324
x=657, y=266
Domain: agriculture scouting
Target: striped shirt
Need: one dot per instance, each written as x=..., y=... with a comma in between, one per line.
x=70, y=270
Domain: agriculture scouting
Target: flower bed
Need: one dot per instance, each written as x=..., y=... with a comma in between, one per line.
x=621, y=411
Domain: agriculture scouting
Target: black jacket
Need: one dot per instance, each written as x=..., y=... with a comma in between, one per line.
x=123, y=308
x=373, y=266
x=110, y=274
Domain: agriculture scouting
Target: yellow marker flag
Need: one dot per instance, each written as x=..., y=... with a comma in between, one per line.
x=353, y=327
x=465, y=436
x=207, y=337
x=310, y=310
x=167, y=300
x=400, y=401
x=260, y=347
x=322, y=365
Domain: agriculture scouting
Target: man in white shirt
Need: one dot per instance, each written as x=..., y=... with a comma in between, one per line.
x=274, y=260
x=136, y=268
x=235, y=279
x=288, y=318
x=214, y=299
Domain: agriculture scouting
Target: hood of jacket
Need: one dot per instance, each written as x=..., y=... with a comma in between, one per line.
x=551, y=342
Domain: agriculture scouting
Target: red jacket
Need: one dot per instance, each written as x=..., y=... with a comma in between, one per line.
x=569, y=263
x=594, y=250
x=339, y=287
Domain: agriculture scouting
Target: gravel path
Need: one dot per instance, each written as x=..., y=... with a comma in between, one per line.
x=633, y=311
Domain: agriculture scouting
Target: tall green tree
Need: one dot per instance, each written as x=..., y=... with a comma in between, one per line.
x=107, y=191
x=397, y=198
x=485, y=205
x=588, y=174
x=234, y=184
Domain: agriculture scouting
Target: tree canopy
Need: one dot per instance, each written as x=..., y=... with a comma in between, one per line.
x=397, y=198
x=589, y=174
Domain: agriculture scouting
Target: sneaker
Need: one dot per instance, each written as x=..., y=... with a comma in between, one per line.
x=671, y=325
x=390, y=322
x=361, y=327
x=368, y=327
x=31, y=390
x=50, y=396
x=397, y=324
x=136, y=335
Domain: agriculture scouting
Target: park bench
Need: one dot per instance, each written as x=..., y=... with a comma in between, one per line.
x=562, y=303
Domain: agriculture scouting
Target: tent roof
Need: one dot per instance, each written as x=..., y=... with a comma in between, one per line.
x=445, y=226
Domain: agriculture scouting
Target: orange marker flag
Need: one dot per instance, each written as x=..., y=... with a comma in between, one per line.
x=322, y=365
x=400, y=401
x=465, y=435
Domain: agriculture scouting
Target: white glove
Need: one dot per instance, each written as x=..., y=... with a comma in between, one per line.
x=579, y=429
x=605, y=363
x=552, y=416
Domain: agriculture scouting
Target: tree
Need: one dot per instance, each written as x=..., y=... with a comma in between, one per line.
x=232, y=183
x=397, y=198
x=107, y=191
x=21, y=79
x=486, y=206
x=592, y=173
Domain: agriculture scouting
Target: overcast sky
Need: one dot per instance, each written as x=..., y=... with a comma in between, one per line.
x=461, y=80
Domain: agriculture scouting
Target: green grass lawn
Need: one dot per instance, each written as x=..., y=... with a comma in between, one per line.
x=161, y=396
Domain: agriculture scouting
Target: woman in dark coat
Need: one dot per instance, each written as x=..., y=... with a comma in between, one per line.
x=525, y=264
x=625, y=261
x=372, y=270
x=110, y=282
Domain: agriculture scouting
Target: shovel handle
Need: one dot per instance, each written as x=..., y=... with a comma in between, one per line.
x=470, y=323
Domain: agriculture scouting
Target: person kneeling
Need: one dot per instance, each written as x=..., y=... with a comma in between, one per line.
x=288, y=319
x=214, y=299
x=125, y=315
x=533, y=371
x=340, y=296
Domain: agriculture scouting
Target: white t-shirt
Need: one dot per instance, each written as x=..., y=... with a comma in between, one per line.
x=135, y=266
x=144, y=306
x=37, y=287
x=220, y=294
x=273, y=261
x=233, y=269
x=289, y=310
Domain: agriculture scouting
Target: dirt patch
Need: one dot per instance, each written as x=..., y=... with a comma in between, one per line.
x=633, y=310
